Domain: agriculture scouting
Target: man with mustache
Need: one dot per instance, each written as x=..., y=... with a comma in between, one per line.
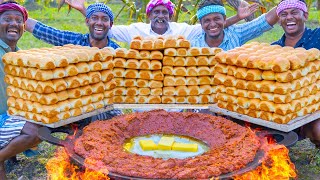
x=212, y=17
x=16, y=135
x=159, y=12
x=292, y=17
x=99, y=19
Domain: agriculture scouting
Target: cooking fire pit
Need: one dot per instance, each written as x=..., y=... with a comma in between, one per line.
x=71, y=140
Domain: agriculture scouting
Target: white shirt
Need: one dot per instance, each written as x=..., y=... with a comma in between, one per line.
x=125, y=33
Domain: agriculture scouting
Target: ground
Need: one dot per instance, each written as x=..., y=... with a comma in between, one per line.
x=303, y=154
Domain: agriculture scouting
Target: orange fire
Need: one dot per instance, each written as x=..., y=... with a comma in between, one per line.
x=275, y=165
x=60, y=168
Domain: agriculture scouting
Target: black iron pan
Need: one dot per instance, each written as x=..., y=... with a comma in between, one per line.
x=45, y=134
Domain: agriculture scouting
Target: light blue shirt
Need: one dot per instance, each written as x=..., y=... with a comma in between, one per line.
x=237, y=35
x=4, y=48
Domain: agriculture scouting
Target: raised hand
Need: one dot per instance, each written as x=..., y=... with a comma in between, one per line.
x=77, y=4
x=245, y=9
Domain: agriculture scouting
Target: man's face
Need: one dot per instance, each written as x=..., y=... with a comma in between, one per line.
x=11, y=26
x=159, y=18
x=292, y=21
x=213, y=24
x=99, y=24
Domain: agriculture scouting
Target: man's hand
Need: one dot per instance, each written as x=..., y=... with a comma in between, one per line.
x=78, y=5
x=245, y=9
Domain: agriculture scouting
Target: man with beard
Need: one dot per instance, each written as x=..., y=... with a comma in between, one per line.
x=292, y=17
x=16, y=135
x=99, y=19
x=159, y=12
x=212, y=16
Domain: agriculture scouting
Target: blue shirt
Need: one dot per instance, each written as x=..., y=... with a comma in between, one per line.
x=59, y=38
x=237, y=35
x=310, y=39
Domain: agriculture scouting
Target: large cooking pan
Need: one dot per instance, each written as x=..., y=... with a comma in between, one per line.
x=45, y=134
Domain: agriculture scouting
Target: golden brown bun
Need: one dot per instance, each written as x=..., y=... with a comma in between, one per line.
x=179, y=61
x=169, y=81
x=144, y=91
x=155, y=84
x=203, y=80
x=132, y=54
x=145, y=74
x=192, y=81
x=154, y=100
x=156, y=92
x=191, y=61
x=181, y=52
x=202, y=61
x=179, y=71
x=121, y=52
x=132, y=64
x=184, y=43
x=156, y=55
x=142, y=83
x=157, y=75
x=155, y=65
x=169, y=91
x=168, y=99
x=180, y=81
x=194, y=51
x=168, y=61
x=170, y=52
x=118, y=72
x=145, y=54
x=119, y=62
x=167, y=70
x=131, y=73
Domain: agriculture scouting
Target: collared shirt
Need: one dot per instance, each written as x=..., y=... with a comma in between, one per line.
x=237, y=35
x=59, y=38
x=4, y=48
x=310, y=39
x=125, y=33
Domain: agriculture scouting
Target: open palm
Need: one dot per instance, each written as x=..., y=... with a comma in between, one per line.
x=245, y=10
x=76, y=4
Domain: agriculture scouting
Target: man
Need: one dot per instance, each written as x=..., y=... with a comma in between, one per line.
x=99, y=19
x=159, y=12
x=212, y=16
x=292, y=17
x=16, y=135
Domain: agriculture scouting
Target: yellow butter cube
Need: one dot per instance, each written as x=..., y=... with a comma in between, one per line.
x=185, y=147
x=127, y=146
x=165, y=143
x=147, y=145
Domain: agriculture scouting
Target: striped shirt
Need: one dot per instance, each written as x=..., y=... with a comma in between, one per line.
x=237, y=35
x=310, y=39
x=59, y=38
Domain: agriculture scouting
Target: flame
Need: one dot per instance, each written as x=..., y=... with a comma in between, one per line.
x=60, y=168
x=275, y=165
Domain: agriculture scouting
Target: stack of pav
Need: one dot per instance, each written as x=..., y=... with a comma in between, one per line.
x=138, y=73
x=51, y=84
x=188, y=73
x=268, y=81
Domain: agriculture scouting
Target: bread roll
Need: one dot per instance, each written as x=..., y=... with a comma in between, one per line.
x=204, y=71
x=168, y=61
x=182, y=91
x=169, y=81
x=106, y=75
x=132, y=74
x=183, y=43
x=193, y=51
x=107, y=65
x=202, y=61
x=129, y=82
x=191, y=61
x=193, y=100
x=120, y=53
x=133, y=54
x=156, y=55
x=192, y=81
x=154, y=100
x=132, y=64
x=119, y=62
x=180, y=100
x=170, y=42
x=136, y=44
x=205, y=89
x=170, y=52
x=147, y=44
x=132, y=91
x=145, y=64
x=144, y=91
x=179, y=71
x=193, y=90
x=158, y=44
x=118, y=99
x=144, y=74
x=181, y=52
x=168, y=99
x=142, y=99
x=155, y=65
x=155, y=84
x=179, y=61
x=110, y=85
x=192, y=71
x=142, y=83
x=180, y=81
x=145, y=54
x=202, y=80
x=169, y=91
x=156, y=91
x=167, y=70
x=157, y=75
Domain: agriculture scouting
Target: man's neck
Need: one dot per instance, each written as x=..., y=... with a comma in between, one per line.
x=292, y=40
x=12, y=45
x=214, y=41
x=160, y=31
x=99, y=44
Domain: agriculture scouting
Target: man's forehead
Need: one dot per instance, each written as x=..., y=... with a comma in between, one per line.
x=100, y=14
x=160, y=7
x=291, y=9
x=12, y=12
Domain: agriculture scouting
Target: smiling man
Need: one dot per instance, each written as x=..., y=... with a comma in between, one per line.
x=16, y=135
x=292, y=17
x=212, y=17
x=99, y=19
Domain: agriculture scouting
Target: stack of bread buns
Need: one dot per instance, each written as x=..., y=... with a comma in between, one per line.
x=268, y=81
x=188, y=73
x=138, y=74
x=52, y=84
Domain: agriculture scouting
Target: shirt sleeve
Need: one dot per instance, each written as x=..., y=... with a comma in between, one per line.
x=252, y=29
x=124, y=33
x=55, y=36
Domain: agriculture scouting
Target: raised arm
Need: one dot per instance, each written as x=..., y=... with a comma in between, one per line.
x=272, y=17
x=78, y=5
x=244, y=11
